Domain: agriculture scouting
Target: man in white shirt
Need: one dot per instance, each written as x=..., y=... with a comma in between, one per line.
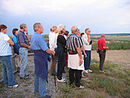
x=53, y=45
x=87, y=45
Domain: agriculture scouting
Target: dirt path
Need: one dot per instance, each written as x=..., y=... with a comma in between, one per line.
x=26, y=88
x=120, y=57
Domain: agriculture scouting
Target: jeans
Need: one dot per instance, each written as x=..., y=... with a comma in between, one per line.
x=23, y=52
x=7, y=69
x=40, y=86
x=102, y=55
x=87, y=60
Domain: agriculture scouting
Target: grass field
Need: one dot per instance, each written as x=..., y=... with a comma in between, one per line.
x=113, y=83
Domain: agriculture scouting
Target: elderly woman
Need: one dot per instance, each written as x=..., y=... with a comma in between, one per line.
x=5, y=57
x=60, y=53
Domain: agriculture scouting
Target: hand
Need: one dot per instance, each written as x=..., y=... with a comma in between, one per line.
x=81, y=61
x=85, y=55
x=26, y=30
x=29, y=47
x=53, y=53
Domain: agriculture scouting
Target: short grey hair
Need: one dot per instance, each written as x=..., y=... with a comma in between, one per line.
x=74, y=29
x=36, y=26
x=23, y=25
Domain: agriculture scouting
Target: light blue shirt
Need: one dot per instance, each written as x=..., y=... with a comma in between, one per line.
x=5, y=48
x=38, y=42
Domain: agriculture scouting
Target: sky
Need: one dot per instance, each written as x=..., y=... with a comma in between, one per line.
x=101, y=16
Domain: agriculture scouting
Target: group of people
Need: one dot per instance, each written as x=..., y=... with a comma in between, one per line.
x=70, y=50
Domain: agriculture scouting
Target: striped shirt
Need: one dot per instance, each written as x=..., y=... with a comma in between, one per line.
x=73, y=42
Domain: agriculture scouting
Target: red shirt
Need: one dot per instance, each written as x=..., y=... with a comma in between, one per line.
x=101, y=44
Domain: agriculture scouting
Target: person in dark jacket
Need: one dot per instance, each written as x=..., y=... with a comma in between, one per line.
x=60, y=53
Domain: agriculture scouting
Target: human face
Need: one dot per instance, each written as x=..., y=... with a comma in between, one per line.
x=56, y=31
x=63, y=30
x=16, y=32
x=4, y=31
x=88, y=32
x=41, y=29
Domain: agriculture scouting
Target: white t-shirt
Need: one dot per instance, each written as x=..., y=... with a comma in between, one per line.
x=5, y=48
x=86, y=43
x=52, y=40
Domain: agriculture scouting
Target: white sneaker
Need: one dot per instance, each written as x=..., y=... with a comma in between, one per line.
x=86, y=71
x=90, y=70
x=62, y=80
x=14, y=86
x=81, y=87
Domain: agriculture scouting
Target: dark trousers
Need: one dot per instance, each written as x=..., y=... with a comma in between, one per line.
x=75, y=75
x=60, y=67
x=102, y=55
x=87, y=60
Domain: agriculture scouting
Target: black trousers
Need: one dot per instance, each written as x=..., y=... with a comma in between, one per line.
x=102, y=55
x=75, y=76
x=60, y=67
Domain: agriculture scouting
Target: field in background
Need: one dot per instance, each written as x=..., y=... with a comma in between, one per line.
x=113, y=42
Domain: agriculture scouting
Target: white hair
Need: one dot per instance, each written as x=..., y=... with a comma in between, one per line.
x=61, y=27
x=74, y=29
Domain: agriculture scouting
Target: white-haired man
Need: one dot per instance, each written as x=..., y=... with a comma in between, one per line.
x=41, y=56
x=75, y=59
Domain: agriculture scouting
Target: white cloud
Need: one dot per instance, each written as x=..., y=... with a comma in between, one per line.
x=22, y=7
x=107, y=14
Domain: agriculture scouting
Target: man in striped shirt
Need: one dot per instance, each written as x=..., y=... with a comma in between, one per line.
x=75, y=59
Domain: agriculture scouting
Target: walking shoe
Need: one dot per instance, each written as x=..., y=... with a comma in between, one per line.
x=62, y=80
x=47, y=96
x=25, y=77
x=86, y=71
x=14, y=86
x=102, y=71
x=83, y=76
x=81, y=87
x=90, y=70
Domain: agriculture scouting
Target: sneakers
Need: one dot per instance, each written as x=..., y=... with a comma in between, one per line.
x=62, y=80
x=86, y=71
x=81, y=87
x=14, y=86
x=102, y=71
x=25, y=77
x=83, y=77
x=90, y=70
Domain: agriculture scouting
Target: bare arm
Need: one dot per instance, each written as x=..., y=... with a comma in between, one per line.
x=27, y=34
x=50, y=51
x=80, y=55
x=24, y=45
x=11, y=43
x=84, y=51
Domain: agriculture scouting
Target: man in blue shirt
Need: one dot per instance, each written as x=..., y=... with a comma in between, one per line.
x=41, y=56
